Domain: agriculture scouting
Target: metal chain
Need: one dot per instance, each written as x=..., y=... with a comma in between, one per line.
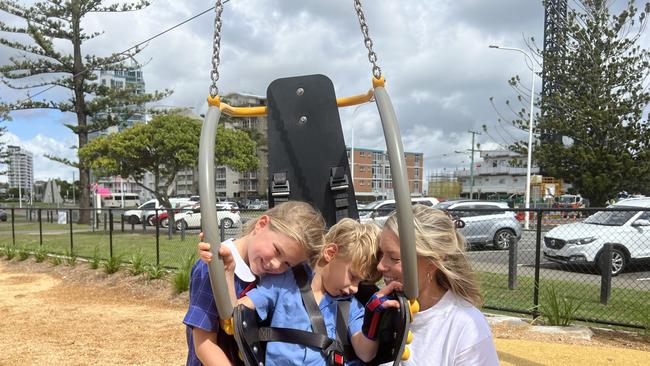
x=214, y=75
x=372, y=56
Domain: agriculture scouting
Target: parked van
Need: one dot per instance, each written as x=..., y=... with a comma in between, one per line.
x=115, y=200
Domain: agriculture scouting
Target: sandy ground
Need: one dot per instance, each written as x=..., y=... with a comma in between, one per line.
x=78, y=316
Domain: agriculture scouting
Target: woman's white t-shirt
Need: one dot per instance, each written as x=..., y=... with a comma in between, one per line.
x=452, y=332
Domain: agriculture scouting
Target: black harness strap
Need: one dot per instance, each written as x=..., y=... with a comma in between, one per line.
x=288, y=335
x=315, y=316
x=339, y=185
x=342, y=316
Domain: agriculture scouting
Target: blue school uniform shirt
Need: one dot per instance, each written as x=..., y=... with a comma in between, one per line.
x=202, y=312
x=278, y=296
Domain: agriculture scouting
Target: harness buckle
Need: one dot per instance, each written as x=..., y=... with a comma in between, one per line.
x=335, y=358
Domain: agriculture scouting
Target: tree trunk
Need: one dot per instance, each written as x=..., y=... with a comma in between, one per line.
x=79, y=75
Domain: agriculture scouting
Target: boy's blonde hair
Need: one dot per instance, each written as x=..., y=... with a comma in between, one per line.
x=358, y=242
x=437, y=239
x=299, y=221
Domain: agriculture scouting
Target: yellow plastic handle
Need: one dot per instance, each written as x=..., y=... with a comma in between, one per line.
x=261, y=111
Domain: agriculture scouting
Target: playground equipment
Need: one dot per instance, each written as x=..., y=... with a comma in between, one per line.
x=308, y=162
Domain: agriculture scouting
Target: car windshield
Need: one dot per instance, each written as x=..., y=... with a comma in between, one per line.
x=567, y=199
x=372, y=205
x=611, y=218
x=443, y=205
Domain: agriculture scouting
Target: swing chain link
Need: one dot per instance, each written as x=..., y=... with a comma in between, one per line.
x=214, y=75
x=372, y=56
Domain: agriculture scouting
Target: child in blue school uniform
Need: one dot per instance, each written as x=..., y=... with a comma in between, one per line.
x=348, y=256
x=284, y=236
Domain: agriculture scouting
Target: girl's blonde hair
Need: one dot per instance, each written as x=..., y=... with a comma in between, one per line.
x=299, y=221
x=437, y=239
x=358, y=242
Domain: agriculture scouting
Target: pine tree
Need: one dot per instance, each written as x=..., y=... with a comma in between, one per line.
x=598, y=108
x=96, y=107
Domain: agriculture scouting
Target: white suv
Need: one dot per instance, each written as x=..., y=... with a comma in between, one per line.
x=582, y=242
x=486, y=222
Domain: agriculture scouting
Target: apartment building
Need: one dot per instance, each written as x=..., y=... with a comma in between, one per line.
x=372, y=177
x=499, y=173
x=21, y=169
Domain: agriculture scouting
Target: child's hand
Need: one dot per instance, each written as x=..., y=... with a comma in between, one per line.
x=204, y=249
x=378, y=303
x=224, y=253
x=385, y=291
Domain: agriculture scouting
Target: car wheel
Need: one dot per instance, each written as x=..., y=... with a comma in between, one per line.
x=503, y=238
x=133, y=219
x=227, y=223
x=619, y=261
x=164, y=222
x=181, y=225
x=151, y=220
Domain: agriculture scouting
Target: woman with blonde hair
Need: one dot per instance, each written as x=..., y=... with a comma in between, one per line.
x=448, y=329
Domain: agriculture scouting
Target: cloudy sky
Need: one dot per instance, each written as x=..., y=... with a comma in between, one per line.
x=434, y=54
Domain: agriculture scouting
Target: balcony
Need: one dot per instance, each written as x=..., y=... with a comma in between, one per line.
x=498, y=170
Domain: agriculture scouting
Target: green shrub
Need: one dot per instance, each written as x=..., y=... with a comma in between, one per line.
x=55, y=260
x=113, y=264
x=70, y=259
x=10, y=253
x=23, y=254
x=181, y=278
x=154, y=271
x=3, y=250
x=40, y=254
x=95, y=260
x=557, y=310
x=137, y=263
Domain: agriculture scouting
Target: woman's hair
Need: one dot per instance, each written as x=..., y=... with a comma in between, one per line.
x=299, y=221
x=437, y=239
x=358, y=242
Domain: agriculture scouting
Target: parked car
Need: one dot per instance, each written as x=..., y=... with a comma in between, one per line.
x=582, y=242
x=192, y=218
x=378, y=211
x=257, y=205
x=147, y=211
x=486, y=222
x=3, y=215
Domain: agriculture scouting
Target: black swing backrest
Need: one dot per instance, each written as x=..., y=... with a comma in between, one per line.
x=307, y=154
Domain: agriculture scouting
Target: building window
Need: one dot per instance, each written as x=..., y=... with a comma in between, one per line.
x=417, y=159
x=416, y=173
x=416, y=186
x=502, y=181
x=376, y=184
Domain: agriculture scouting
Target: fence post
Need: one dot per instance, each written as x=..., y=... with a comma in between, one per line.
x=144, y=223
x=40, y=227
x=512, y=264
x=157, y=238
x=70, y=222
x=122, y=221
x=605, y=264
x=538, y=249
x=13, y=227
x=105, y=222
x=182, y=232
x=110, y=229
x=222, y=233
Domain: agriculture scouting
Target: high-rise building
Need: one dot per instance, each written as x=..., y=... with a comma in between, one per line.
x=372, y=176
x=21, y=169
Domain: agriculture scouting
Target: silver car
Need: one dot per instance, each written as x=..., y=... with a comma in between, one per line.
x=486, y=222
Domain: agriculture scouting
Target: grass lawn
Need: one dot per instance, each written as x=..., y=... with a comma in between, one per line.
x=172, y=252
x=626, y=306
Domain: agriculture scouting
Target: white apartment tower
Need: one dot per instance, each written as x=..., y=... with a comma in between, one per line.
x=21, y=168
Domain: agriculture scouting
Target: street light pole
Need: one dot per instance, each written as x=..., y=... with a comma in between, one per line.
x=530, y=126
x=20, y=182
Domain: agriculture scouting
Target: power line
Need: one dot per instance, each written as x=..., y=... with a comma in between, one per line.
x=130, y=48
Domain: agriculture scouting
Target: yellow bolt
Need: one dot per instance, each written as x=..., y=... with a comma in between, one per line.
x=406, y=354
x=409, y=337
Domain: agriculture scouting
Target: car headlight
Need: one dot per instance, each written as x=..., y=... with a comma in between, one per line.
x=582, y=241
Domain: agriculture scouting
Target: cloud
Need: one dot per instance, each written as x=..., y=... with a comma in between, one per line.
x=39, y=146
